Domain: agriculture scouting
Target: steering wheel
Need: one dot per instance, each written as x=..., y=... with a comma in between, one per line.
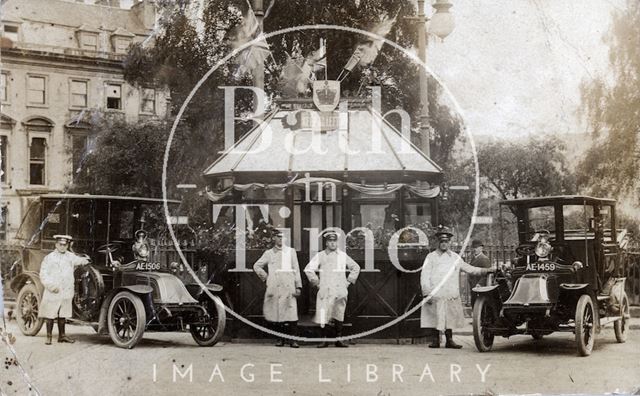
x=526, y=249
x=110, y=247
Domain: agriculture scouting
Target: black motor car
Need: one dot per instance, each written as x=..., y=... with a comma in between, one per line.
x=129, y=286
x=566, y=276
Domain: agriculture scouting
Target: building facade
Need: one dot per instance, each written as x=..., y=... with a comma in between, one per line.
x=61, y=69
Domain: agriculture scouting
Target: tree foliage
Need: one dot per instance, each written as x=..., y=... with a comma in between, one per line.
x=533, y=168
x=612, y=106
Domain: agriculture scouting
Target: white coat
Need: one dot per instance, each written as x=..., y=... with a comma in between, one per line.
x=282, y=277
x=56, y=271
x=445, y=310
x=333, y=283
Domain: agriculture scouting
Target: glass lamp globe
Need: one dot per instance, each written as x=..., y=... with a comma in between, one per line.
x=441, y=23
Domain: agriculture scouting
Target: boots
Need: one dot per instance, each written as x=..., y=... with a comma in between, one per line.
x=293, y=330
x=325, y=334
x=448, y=333
x=280, y=329
x=62, y=337
x=436, y=340
x=340, y=344
x=49, y=324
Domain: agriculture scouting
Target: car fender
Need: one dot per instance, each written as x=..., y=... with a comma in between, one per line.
x=25, y=277
x=139, y=290
x=196, y=290
x=573, y=286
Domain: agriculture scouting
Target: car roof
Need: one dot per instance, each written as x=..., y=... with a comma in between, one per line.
x=107, y=197
x=568, y=199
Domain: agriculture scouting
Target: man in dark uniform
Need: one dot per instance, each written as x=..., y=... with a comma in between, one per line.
x=480, y=260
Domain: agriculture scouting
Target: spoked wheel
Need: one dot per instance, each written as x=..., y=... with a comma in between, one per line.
x=620, y=326
x=585, y=325
x=28, y=305
x=126, y=319
x=485, y=314
x=209, y=333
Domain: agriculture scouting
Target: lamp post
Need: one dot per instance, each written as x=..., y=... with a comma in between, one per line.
x=441, y=24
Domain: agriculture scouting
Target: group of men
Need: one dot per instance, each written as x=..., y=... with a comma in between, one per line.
x=332, y=271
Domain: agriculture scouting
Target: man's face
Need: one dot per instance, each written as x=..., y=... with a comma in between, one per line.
x=61, y=246
x=443, y=244
x=332, y=244
x=478, y=249
x=278, y=240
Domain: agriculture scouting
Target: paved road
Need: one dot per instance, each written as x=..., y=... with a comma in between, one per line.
x=519, y=365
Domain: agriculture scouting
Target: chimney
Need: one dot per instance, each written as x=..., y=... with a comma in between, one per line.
x=109, y=3
x=145, y=11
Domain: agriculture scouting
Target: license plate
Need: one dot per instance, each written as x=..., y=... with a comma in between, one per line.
x=146, y=266
x=541, y=267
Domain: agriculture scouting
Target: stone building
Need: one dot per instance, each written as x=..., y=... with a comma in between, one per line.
x=61, y=67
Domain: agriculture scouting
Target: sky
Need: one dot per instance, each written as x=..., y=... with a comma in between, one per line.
x=516, y=66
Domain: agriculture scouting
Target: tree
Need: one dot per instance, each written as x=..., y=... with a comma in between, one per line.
x=536, y=167
x=182, y=54
x=611, y=166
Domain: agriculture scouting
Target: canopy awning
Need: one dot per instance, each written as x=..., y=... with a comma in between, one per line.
x=358, y=145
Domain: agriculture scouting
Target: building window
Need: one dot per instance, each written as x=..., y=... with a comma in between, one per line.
x=78, y=93
x=114, y=96
x=122, y=45
x=89, y=41
x=148, y=104
x=37, y=161
x=4, y=212
x=4, y=88
x=36, y=90
x=3, y=158
x=10, y=32
x=79, y=149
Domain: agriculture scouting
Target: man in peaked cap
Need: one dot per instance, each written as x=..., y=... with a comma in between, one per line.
x=56, y=274
x=443, y=311
x=479, y=260
x=278, y=268
x=332, y=264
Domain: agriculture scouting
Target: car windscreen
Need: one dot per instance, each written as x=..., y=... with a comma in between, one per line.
x=127, y=218
x=540, y=218
x=29, y=231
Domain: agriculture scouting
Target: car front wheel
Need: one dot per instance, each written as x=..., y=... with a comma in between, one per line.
x=27, y=308
x=620, y=325
x=485, y=314
x=211, y=330
x=126, y=319
x=585, y=325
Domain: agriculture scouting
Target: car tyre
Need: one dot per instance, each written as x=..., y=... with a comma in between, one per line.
x=27, y=308
x=126, y=319
x=620, y=326
x=211, y=333
x=585, y=325
x=485, y=313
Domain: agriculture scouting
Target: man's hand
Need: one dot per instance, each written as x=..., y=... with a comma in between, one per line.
x=54, y=290
x=489, y=270
x=298, y=292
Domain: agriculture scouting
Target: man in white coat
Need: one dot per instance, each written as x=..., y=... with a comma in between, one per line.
x=332, y=284
x=441, y=268
x=56, y=274
x=278, y=268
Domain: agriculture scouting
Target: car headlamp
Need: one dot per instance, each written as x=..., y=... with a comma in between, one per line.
x=577, y=265
x=173, y=266
x=141, y=249
x=543, y=249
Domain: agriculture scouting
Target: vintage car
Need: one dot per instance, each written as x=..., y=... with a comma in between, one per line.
x=565, y=277
x=129, y=286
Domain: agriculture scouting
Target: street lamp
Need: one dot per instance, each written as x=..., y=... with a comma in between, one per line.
x=441, y=24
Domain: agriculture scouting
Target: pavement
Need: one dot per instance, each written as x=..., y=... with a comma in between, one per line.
x=171, y=363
